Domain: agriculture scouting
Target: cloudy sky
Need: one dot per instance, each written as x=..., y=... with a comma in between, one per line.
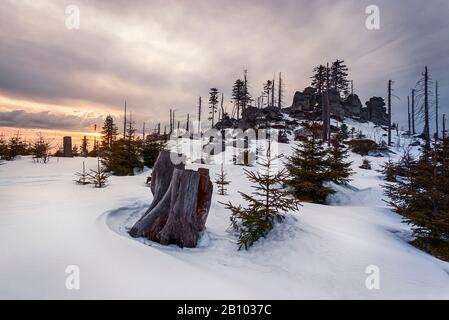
x=163, y=54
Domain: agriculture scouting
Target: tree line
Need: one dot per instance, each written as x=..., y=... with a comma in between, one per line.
x=39, y=148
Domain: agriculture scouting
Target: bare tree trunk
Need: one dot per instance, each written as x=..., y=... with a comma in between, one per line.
x=182, y=199
x=222, y=109
x=409, y=119
x=280, y=91
x=437, y=134
x=426, y=108
x=199, y=116
x=413, y=112
x=389, y=112
x=124, y=123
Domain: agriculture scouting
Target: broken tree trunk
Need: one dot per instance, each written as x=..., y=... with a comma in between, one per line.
x=182, y=200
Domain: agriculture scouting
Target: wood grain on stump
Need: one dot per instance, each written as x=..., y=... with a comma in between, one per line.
x=181, y=203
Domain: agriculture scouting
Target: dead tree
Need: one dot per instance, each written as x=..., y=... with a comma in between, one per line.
x=180, y=206
x=408, y=117
x=413, y=112
x=221, y=105
x=124, y=123
x=199, y=116
x=426, y=108
x=436, y=112
x=389, y=112
x=280, y=91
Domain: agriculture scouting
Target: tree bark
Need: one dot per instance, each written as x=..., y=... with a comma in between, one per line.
x=182, y=199
x=160, y=183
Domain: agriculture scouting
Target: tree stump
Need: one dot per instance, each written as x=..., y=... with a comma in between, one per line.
x=182, y=199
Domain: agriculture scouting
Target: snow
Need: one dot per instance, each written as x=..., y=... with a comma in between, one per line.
x=47, y=222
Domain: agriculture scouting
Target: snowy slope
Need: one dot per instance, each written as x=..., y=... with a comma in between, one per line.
x=47, y=223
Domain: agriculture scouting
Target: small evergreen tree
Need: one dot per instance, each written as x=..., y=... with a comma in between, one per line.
x=124, y=155
x=85, y=147
x=40, y=149
x=420, y=194
x=153, y=146
x=133, y=148
x=344, y=131
x=3, y=148
x=98, y=177
x=340, y=170
x=222, y=182
x=401, y=184
x=16, y=147
x=75, y=151
x=308, y=167
x=83, y=177
x=389, y=170
x=95, y=152
x=58, y=153
x=266, y=205
x=366, y=164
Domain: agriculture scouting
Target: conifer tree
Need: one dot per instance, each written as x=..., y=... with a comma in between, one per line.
x=366, y=164
x=222, y=182
x=153, y=146
x=308, y=167
x=75, y=151
x=84, y=147
x=398, y=191
x=40, y=149
x=319, y=78
x=428, y=209
x=16, y=147
x=339, y=77
x=389, y=170
x=83, y=177
x=238, y=95
x=98, y=177
x=421, y=196
x=340, y=170
x=3, y=148
x=213, y=103
x=344, y=131
x=59, y=152
x=265, y=206
x=109, y=133
x=124, y=155
x=267, y=90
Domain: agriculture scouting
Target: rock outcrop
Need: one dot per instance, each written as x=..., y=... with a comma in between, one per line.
x=375, y=111
x=307, y=105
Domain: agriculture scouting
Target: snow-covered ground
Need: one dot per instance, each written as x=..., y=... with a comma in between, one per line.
x=47, y=223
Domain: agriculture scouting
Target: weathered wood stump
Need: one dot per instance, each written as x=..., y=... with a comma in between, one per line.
x=181, y=203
